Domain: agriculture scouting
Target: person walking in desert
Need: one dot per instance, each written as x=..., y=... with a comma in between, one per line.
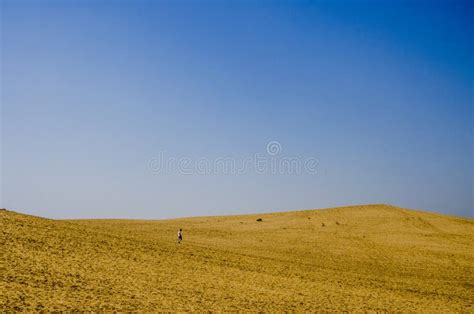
x=180, y=236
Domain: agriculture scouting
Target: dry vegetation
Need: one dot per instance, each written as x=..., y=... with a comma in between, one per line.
x=354, y=258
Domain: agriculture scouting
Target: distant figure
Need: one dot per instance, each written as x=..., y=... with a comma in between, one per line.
x=180, y=236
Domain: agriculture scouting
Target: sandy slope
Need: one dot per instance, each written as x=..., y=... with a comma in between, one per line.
x=373, y=257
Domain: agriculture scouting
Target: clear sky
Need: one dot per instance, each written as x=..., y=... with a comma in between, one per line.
x=380, y=92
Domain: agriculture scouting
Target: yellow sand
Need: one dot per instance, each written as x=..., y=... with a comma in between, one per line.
x=364, y=258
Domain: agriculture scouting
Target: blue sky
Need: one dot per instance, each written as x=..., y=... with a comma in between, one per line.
x=380, y=92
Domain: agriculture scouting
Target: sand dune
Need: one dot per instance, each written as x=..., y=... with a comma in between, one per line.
x=373, y=257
